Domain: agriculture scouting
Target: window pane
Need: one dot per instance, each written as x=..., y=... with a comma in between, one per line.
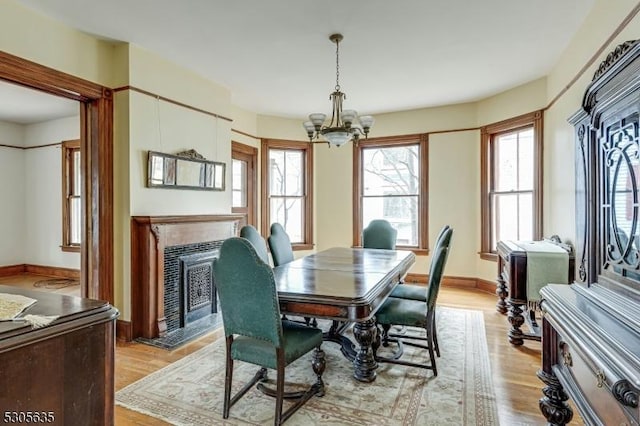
x=74, y=216
x=295, y=180
x=506, y=162
x=286, y=174
x=391, y=171
x=525, y=163
x=239, y=183
x=401, y=212
x=76, y=173
x=513, y=217
x=276, y=172
x=288, y=213
x=525, y=213
x=505, y=218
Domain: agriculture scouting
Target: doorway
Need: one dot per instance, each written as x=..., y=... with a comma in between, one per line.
x=96, y=142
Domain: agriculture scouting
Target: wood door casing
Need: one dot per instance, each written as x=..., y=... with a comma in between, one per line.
x=248, y=155
x=96, y=140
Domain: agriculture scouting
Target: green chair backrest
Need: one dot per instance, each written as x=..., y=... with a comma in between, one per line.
x=247, y=292
x=435, y=276
x=438, y=262
x=280, y=245
x=440, y=236
x=379, y=234
x=252, y=234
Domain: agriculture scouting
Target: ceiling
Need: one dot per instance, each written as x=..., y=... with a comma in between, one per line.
x=276, y=59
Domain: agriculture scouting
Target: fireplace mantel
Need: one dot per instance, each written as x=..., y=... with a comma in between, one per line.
x=150, y=235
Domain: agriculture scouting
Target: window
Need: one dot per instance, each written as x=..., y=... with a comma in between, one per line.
x=511, y=181
x=71, y=196
x=287, y=189
x=391, y=183
x=243, y=181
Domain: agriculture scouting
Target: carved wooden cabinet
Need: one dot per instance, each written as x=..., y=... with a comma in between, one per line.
x=591, y=329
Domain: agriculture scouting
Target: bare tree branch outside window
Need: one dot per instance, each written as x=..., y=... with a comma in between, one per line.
x=391, y=188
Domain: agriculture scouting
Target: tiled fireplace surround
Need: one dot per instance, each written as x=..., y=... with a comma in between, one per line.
x=156, y=243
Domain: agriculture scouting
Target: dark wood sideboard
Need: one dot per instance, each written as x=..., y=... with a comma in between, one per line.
x=591, y=329
x=62, y=373
x=512, y=291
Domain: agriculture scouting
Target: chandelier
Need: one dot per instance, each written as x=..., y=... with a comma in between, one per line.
x=345, y=124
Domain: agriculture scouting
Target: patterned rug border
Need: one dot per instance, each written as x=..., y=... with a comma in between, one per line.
x=477, y=391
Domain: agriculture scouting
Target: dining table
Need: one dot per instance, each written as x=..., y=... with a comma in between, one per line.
x=345, y=285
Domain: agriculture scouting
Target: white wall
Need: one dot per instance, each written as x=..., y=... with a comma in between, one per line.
x=31, y=186
x=12, y=218
x=168, y=128
x=142, y=123
x=43, y=193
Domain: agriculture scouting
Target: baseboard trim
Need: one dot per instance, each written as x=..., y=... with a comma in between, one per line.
x=488, y=286
x=453, y=281
x=53, y=271
x=465, y=282
x=416, y=279
x=124, y=331
x=6, y=271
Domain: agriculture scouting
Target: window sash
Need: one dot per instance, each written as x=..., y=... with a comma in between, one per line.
x=414, y=195
x=526, y=181
x=293, y=161
x=71, y=194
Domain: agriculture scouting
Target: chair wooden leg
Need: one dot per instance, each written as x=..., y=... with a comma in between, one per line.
x=228, y=378
x=430, y=345
x=279, y=392
x=385, y=334
x=434, y=330
x=319, y=363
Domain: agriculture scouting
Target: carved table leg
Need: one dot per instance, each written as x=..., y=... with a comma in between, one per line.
x=364, y=363
x=553, y=405
x=501, y=291
x=516, y=320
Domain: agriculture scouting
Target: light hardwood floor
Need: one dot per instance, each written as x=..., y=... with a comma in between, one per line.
x=514, y=368
x=40, y=283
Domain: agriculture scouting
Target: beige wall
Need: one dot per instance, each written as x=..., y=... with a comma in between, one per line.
x=143, y=122
x=146, y=123
x=559, y=205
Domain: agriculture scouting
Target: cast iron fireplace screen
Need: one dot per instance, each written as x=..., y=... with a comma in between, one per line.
x=186, y=169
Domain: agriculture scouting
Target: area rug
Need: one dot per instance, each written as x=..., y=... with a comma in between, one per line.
x=190, y=391
x=56, y=283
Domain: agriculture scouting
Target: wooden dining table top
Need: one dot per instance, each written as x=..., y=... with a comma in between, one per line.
x=340, y=283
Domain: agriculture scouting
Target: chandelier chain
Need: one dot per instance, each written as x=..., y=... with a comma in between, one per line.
x=337, y=65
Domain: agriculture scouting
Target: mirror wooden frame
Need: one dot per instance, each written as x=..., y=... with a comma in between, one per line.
x=185, y=170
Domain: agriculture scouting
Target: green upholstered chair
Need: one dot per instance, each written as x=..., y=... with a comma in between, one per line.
x=252, y=234
x=281, y=253
x=280, y=245
x=413, y=313
x=418, y=292
x=379, y=234
x=253, y=328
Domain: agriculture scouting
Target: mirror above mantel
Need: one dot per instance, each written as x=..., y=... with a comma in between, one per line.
x=185, y=170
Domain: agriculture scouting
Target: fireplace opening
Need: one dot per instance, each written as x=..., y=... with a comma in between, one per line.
x=197, y=286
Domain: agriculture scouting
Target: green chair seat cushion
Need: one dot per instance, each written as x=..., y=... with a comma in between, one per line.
x=298, y=339
x=396, y=311
x=410, y=291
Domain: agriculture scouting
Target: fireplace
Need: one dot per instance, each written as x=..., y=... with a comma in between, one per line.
x=197, y=286
x=166, y=253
